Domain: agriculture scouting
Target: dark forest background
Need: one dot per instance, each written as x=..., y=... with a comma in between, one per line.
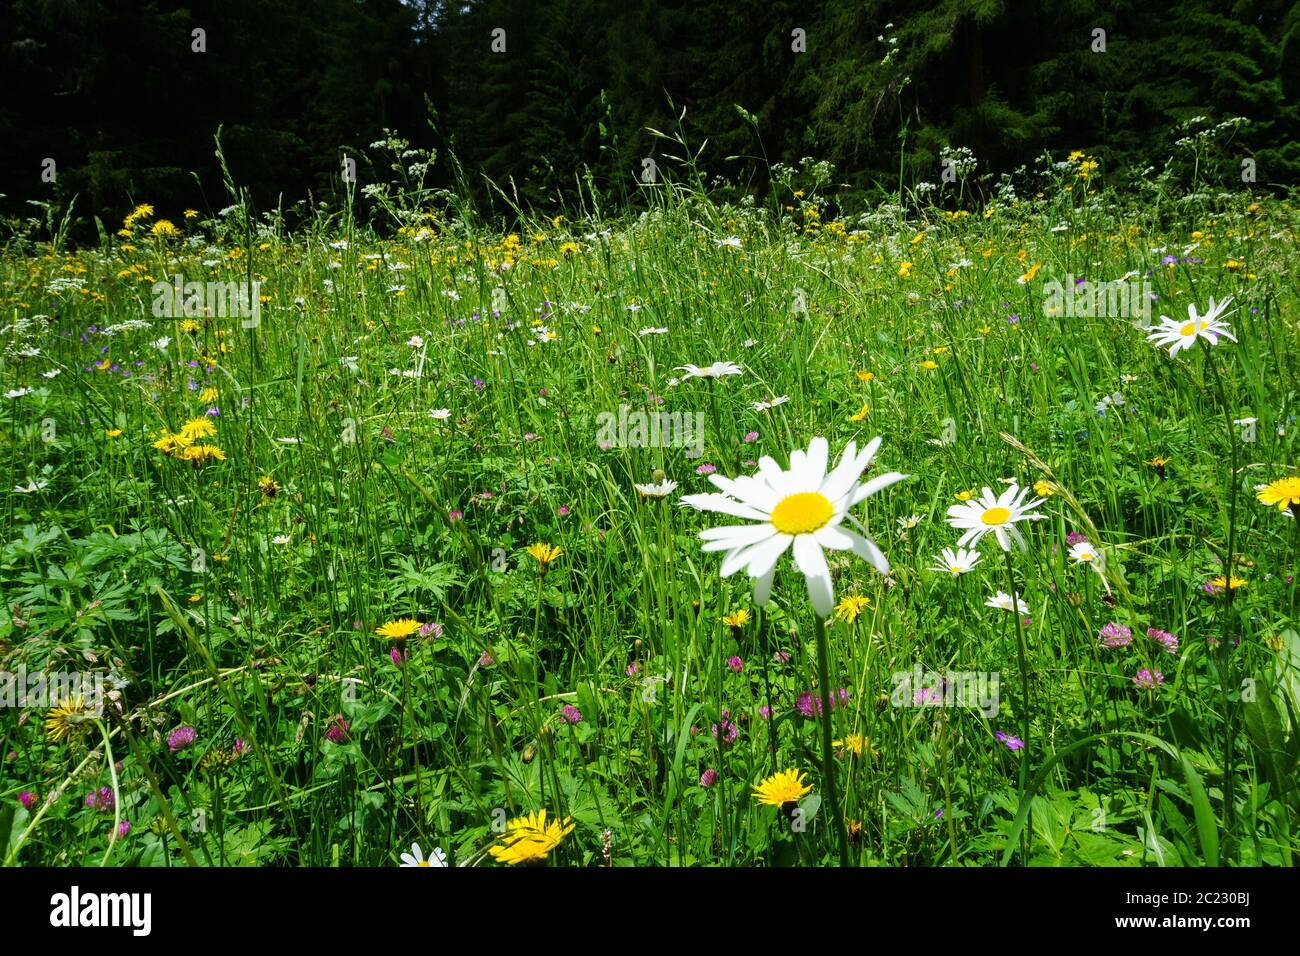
x=114, y=92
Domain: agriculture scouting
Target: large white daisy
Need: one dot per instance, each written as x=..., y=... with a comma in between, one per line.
x=997, y=514
x=1183, y=335
x=800, y=507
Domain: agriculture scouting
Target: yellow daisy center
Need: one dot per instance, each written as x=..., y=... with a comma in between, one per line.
x=423, y=863
x=996, y=516
x=801, y=513
x=1189, y=328
x=955, y=568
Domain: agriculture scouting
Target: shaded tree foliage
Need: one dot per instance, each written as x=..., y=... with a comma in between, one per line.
x=114, y=93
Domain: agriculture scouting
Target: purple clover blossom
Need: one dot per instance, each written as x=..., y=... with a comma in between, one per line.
x=338, y=729
x=926, y=696
x=1114, y=634
x=1166, y=640
x=810, y=705
x=570, y=714
x=1147, y=679
x=729, y=730
x=27, y=799
x=735, y=664
x=101, y=800
x=180, y=738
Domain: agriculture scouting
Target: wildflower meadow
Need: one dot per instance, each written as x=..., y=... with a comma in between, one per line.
x=716, y=523
x=360, y=581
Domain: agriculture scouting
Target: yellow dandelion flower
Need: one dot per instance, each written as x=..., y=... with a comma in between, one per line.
x=850, y=606
x=544, y=554
x=860, y=414
x=67, y=719
x=1044, y=489
x=199, y=455
x=865, y=376
x=398, y=630
x=1158, y=463
x=929, y=364
x=855, y=744
x=964, y=495
x=736, y=619
x=169, y=444
x=268, y=486
x=112, y=432
x=165, y=229
x=1285, y=493
x=197, y=428
x=781, y=788
x=1234, y=583
x=529, y=839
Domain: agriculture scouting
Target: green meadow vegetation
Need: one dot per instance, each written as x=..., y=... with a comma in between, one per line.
x=406, y=554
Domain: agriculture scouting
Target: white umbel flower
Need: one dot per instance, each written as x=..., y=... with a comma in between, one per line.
x=801, y=507
x=1183, y=335
x=996, y=514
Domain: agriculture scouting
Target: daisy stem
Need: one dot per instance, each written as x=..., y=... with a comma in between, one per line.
x=763, y=647
x=1024, y=691
x=828, y=763
x=724, y=455
x=1230, y=737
